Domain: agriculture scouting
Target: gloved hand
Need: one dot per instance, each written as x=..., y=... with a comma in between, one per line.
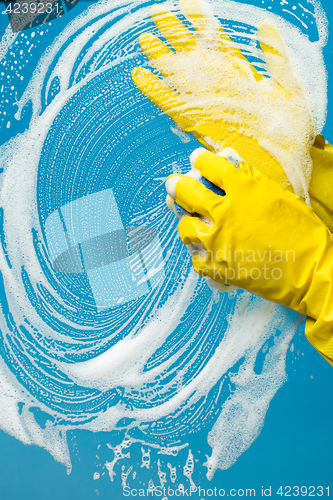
x=224, y=101
x=259, y=237
x=204, y=110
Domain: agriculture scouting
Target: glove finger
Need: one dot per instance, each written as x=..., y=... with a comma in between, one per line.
x=275, y=55
x=192, y=195
x=155, y=50
x=173, y=30
x=204, y=26
x=215, y=168
x=221, y=172
x=211, y=31
x=190, y=229
x=208, y=28
x=160, y=94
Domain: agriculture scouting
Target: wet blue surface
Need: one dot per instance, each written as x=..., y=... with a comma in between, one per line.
x=295, y=445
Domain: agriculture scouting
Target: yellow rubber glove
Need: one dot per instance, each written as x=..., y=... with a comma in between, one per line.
x=224, y=101
x=259, y=237
x=321, y=183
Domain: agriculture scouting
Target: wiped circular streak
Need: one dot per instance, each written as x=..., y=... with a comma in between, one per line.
x=156, y=358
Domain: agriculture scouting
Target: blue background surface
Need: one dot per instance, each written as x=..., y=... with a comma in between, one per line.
x=294, y=447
